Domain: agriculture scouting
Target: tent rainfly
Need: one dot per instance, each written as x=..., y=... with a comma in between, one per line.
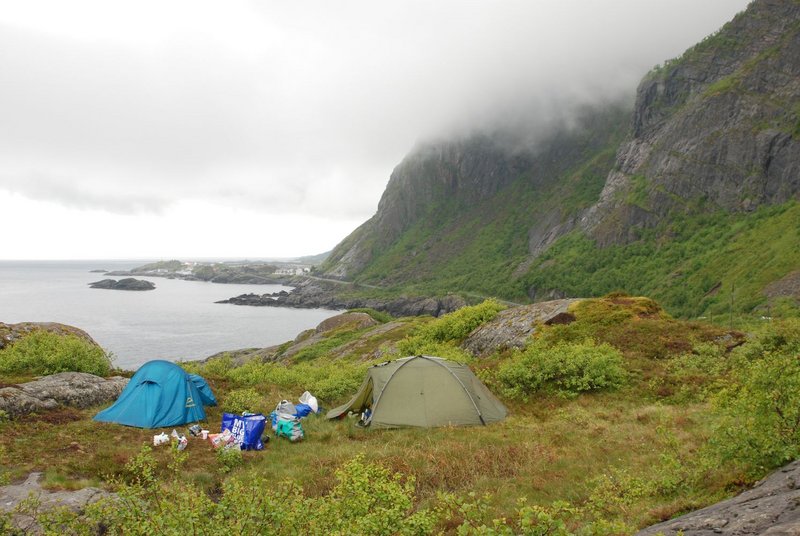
x=160, y=394
x=423, y=391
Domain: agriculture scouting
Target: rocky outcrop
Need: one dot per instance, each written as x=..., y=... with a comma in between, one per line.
x=786, y=287
x=318, y=294
x=351, y=321
x=770, y=508
x=13, y=332
x=715, y=129
x=129, y=283
x=75, y=501
x=76, y=389
x=464, y=170
x=513, y=327
x=348, y=320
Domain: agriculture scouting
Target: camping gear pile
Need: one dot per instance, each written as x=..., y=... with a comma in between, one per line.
x=286, y=417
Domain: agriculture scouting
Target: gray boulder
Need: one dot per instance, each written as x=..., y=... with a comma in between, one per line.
x=513, y=327
x=769, y=508
x=76, y=501
x=76, y=389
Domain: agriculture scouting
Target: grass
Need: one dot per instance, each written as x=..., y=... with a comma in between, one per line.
x=634, y=455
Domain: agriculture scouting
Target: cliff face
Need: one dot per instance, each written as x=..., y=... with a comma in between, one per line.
x=718, y=128
x=716, y=131
x=443, y=196
x=466, y=171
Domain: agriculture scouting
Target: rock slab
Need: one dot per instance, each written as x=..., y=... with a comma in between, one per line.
x=76, y=389
x=513, y=327
x=769, y=508
x=11, y=496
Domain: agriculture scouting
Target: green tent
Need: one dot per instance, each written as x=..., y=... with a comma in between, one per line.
x=423, y=391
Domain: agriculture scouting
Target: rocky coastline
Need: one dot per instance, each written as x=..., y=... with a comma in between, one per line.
x=320, y=294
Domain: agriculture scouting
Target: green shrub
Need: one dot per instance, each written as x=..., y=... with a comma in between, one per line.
x=213, y=368
x=450, y=329
x=458, y=324
x=328, y=381
x=42, y=352
x=229, y=459
x=241, y=400
x=366, y=499
x=565, y=368
x=759, y=411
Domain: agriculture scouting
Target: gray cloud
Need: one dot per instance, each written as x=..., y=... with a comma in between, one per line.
x=71, y=194
x=300, y=107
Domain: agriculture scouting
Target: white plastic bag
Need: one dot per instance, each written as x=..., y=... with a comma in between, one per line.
x=310, y=400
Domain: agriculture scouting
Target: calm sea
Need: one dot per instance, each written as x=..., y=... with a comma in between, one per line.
x=177, y=321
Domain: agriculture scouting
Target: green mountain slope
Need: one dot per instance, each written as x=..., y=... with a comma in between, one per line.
x=461, y=216
x=691, y=194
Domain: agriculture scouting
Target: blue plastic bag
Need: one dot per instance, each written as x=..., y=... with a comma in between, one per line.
x=246, y=429
x=302, y=410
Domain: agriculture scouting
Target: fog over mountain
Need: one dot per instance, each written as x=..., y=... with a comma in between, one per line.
x=149, y=129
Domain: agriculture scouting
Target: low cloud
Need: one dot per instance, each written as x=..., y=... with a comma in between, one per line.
x=299, y=108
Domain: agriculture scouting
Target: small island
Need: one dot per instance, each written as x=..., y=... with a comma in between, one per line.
x=129, y=283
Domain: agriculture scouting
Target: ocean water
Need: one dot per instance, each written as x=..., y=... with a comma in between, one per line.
x=177, y=321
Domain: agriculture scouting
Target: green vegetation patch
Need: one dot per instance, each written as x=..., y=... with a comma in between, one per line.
x=566, y=369
x=703, y=264
x=42, y=353
x=622, y=418
x=442, y=336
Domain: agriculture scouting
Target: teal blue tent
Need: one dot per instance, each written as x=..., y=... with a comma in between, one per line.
x=160, y=394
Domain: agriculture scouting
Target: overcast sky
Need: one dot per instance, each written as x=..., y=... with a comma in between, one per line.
x=171, y=129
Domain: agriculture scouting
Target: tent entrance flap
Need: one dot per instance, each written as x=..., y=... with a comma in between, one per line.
x=361, y=401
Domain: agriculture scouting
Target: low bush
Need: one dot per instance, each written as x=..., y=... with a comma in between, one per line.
x=241, y=400
x=441, y=336
x=328, y=381
x=229, y=459
x=366, y=499
x=42, y=352
x=759, y=410
x=566, y=369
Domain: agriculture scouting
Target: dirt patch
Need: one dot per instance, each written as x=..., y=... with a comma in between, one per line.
x=57, y=416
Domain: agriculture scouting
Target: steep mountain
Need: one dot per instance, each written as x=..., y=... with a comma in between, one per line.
x=691, y=196
x=720, y=126
x=463, y=214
